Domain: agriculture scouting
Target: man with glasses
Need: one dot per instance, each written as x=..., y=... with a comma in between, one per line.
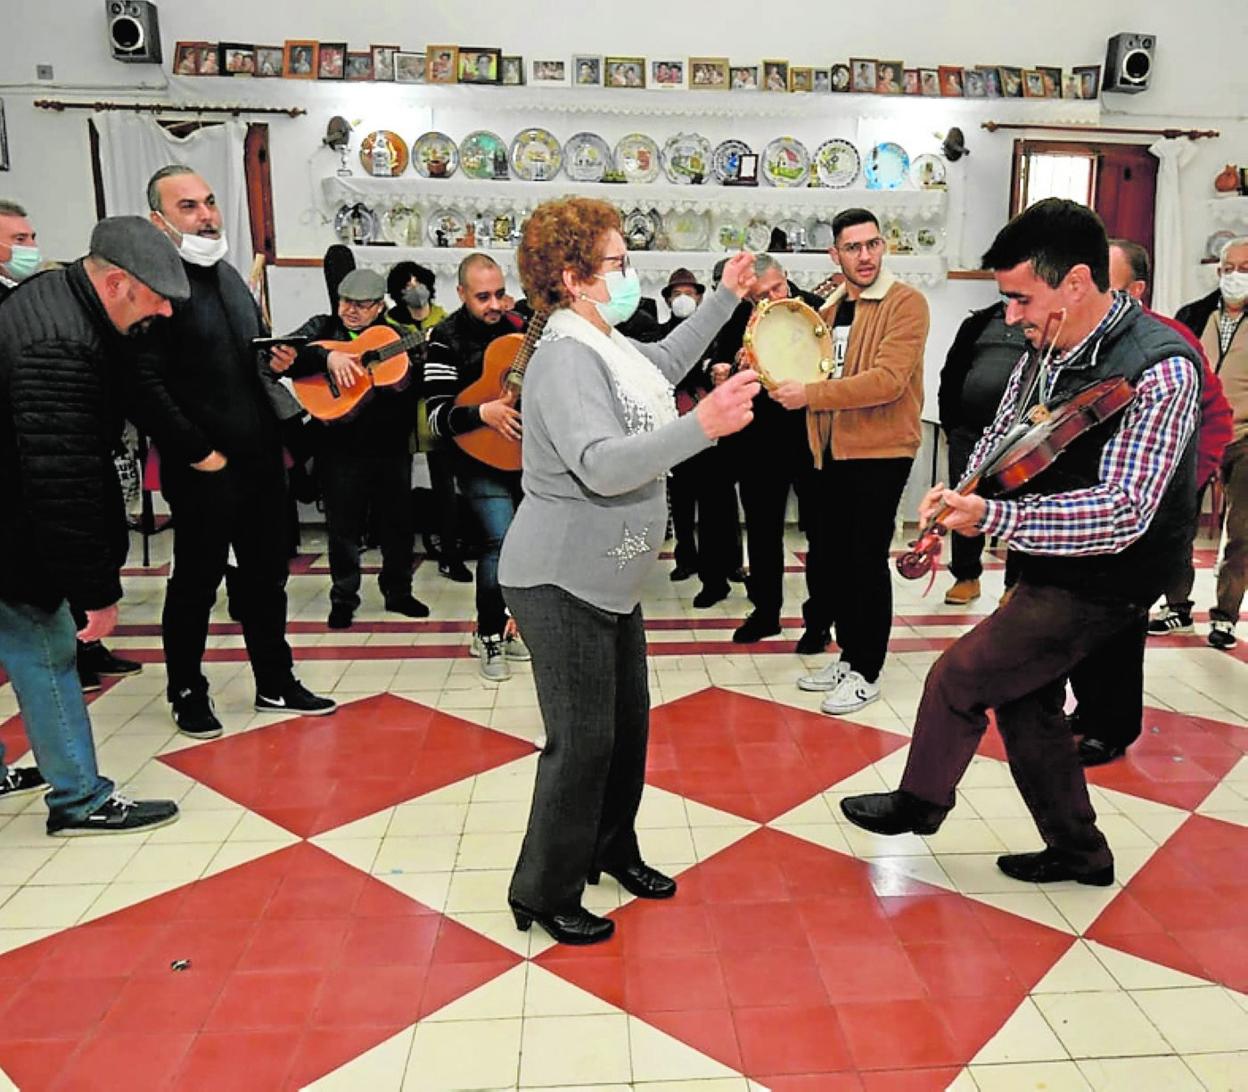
x=862, y=425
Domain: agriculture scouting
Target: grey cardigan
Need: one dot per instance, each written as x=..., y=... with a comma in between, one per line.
x=594, y=513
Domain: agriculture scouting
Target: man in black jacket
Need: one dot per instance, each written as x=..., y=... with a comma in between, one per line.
x=199, y=393
x=63, y=343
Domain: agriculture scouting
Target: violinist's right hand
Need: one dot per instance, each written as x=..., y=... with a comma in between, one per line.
x=931, y=504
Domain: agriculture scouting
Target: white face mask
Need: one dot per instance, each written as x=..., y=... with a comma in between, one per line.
x=1234, y=286
x=683, y=306
x=198, y=249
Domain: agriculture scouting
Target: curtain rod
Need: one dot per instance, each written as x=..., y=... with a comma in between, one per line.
x=170, y=107
x=1191, y=134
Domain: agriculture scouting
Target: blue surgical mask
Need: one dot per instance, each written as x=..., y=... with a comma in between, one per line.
x=23, y=263
x=624, y=290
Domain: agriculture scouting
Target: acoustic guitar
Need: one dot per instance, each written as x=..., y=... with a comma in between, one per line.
x=380, y=351
x=502, y=372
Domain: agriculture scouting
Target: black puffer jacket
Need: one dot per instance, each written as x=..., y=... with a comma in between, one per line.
x=63, y=529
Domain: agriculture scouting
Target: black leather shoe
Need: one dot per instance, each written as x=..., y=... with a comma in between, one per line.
x=1047, y=867
x=577, y=927
x=340, y=616
x=755, y=628
x=709, y=596
x=407, y=605
x=681, y=572
x=640, y=880
x=456, y=571
x=813, y=642
x=1096, y=752
x=739, y=575
x=893, y=813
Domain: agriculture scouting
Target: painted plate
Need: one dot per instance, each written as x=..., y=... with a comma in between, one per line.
x=586, y=157
x=757, y=235
x=928, y=240
x=393, y=161
x=1215, y=243
x=818, y=234
x=687, y=159
x=535, y=155
x=637, y=156
x=447, y=227
x=356, y=224
x=401, y=225
x=687, y=229
x=434, y=155
x=483, y=154
x=837, y=163
x=729, y=234
x=639, y=229
x=726, y=160
x=786, y=162
x=887, y=167
x=928, y=172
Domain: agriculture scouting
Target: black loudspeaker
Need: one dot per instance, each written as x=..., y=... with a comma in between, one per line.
x=133, y=31
x=1129, y=63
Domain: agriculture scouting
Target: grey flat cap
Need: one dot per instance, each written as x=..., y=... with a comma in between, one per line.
x=144, y=251
x=362, y=285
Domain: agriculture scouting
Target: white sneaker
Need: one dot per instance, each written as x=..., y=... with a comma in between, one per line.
x=828, y=677
x=853, y=693
x=493, y=660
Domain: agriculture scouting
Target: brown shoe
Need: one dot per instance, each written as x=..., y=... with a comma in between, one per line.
x=962, y=593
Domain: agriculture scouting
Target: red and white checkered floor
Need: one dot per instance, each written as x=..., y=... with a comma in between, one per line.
x=336, y=886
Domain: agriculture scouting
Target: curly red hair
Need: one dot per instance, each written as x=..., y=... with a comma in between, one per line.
x=567, y=233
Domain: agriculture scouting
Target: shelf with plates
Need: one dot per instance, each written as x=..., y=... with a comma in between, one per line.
x=1228, y=210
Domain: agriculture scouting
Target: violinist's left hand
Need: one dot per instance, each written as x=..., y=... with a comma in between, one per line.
x=966, y=512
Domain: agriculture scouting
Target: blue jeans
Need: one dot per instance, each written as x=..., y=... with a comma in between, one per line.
x=493, y=496
x=38, y=651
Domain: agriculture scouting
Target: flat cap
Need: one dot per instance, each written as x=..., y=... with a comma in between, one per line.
x=144, y=251
x=362, y=284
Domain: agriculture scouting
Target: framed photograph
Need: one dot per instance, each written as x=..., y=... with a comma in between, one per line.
x=331, y=61
x=801, y=79
x=268, y=61
x=708, y=73
x=888, y=77
x=1011, y=82
x=669, y=75
x=479, y=64
x=513, y=71
x=775, y=76
x=409, y=67
x=236, y=59
x=1033, y=84
x=186, y=58
x=992, y=80
x=823, y=80
x=441, y=63
x=840, y=77
x=973, y=84
x=1052, y=80
x=359, y=66
x=586, y=71
x=383, y=61
x=909, y=81
x=952, y=83
x=862, y=73
x=1088, y=77
x=743, y=77
x=300, y=60
x=550, y=72
x=209, y=60
x=624, y=71
x=4, y=140
x=747, y=169
x=929, y=82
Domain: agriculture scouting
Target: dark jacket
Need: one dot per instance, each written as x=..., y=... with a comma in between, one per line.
x=63, y=531
x=977, y=369
x=454, y=359
x=1195, y=315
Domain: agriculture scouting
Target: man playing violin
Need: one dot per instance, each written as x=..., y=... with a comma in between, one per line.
x=1099, y=531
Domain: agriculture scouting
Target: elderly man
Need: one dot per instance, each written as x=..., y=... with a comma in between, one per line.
x=63, y=537
x=19, y=254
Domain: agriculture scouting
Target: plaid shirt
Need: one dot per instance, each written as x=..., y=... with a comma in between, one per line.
x=1136, y=464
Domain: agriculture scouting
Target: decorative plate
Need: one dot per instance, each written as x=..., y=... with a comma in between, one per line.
x=401, y=225
x=687, y=159
x=928, y=172
x=730, y=234
x=758, y=235
x=639, y=230
x=638, y=157
x=447, y=227
x=502, y=229
x=837, y=163
x=397, y=158
x=928, y=240
x=726, y=160
x=887, y=167
x=794, y=233
x=687, y=229
x=356, y=224
x=1215, y=243
x=535, y=155
x=434, y=155
x=587, y=157
x=483, y=154
x=818, y=234
x=786, y=162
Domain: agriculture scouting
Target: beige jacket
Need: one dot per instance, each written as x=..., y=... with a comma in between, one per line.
x=1232, y=369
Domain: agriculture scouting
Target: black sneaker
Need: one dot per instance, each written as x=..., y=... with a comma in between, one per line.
x=407, y=605
x=117, y=815
x=455, y=570
x=296, y=698
x=755, y=628
x=813, y=642
x=340, y=616
x=88, y=679
x=18, y=782
x=194, y=715
x=99, y=659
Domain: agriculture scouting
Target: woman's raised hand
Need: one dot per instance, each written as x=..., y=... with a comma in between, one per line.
x=729, y=407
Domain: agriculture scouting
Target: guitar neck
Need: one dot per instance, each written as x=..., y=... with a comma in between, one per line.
x=403, y=345
x=514, y=378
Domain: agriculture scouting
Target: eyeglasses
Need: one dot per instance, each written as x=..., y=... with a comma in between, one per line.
x=620, y=260
x=873, y=246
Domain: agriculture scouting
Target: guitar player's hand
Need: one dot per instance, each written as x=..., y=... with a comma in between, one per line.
x=344, y=369
x=281, y=357
x=502, y=416
x=210, y=463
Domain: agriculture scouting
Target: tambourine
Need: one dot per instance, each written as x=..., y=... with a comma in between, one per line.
x=787, y=339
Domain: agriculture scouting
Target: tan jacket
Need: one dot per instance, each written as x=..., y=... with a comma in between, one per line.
x=872, y=411
x=1232, y=369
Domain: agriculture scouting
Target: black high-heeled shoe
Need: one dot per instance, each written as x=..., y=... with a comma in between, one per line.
x=577, y=927
x=638, y=879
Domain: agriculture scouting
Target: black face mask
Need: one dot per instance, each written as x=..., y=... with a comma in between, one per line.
x=416, y=298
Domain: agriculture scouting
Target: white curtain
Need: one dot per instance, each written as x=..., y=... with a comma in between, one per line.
x=134, y=147
x=1168, y=256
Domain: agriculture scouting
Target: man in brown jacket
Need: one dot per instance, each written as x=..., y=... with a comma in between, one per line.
x=862, y=423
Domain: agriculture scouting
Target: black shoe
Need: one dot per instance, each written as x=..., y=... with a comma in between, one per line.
x=1047, y=867
x=755, y=628
x=295, y=698
x=18, y=782
x=893, y=813
x=88, y=679
x=117, y=815
x=813, y=642
x=99, y=659
x=407, y=605
x=639, y=879
x=455, y=570
x=681, y=572
x=194, y=715
x=739, y=575
x=577, y=927
x=340, y=616
x=1096, y=752
x=708, y=597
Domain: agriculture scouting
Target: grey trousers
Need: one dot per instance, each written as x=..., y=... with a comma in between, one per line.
x=590, y=669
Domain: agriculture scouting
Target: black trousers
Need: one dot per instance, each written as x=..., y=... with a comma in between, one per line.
x=590, y=669
x=446, y=500
x=965, y=551
x=704, y=516
x=243, y=506
x=1109, y=687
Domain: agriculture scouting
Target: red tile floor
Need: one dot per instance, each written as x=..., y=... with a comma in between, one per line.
x=330, y=911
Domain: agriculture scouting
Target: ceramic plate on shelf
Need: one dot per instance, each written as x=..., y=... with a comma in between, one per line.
x=1215, y=243
x=726, y=160
x=639, y=230
x=837, y=163
x=794, y=233
x=818, y=234
x=786, y=162
x=928, y=241
x=447, y=227
x=434, y=155
x=356, y=224
x=637, y=156
x=687, y=229
x=401, y=225
x=535, y=155
x=729, y=234
x=928, y=172
x=687, y=159
x=483, y=154
x=391, y=154
x=887, y=166
x=757, y=235
x=586, y=157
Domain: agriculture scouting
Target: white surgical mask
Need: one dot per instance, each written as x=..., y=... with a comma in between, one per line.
x=1234, y=286
x=683, y=306
x=198, y=249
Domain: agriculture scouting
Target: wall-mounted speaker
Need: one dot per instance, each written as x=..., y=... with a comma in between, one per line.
x=1129, y=63
x=133, y=31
